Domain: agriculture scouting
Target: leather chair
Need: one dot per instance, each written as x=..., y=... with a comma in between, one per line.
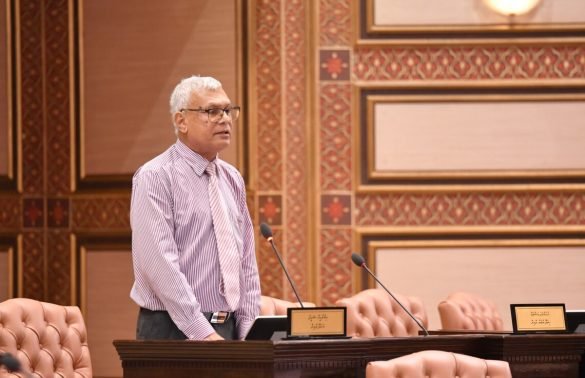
x=373, y=313
x=275, y=306
x=48, y=339
x=438, y=364
x=466, y=311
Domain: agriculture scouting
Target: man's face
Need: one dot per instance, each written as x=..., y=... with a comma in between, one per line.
x=197, y=131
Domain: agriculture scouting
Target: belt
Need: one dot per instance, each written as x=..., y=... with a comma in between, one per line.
x=218, y=317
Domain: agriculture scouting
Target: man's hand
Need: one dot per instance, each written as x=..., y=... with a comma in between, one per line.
x=213, y=336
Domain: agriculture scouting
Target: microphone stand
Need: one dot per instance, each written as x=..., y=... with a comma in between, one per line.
x=363, y=265
x=271, y=241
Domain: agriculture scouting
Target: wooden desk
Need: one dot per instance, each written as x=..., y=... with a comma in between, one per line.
x=530, y=356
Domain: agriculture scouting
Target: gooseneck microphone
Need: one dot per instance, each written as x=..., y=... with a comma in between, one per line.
x=361, y=262
x=266, y=231
x=10, y=363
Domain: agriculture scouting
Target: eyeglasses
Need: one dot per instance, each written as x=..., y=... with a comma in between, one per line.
x=216, y=114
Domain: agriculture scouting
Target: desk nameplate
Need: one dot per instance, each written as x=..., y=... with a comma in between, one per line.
x=539, y=318
x=317, y=322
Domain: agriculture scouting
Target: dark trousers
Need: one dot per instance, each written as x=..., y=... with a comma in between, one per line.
x=158, y=325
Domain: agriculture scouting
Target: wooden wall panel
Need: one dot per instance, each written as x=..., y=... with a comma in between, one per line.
x=504, y=274
x=396, y=13
x=4, y=87
x=133, y=54
x=5, y=274
x=109, y=312
x=461, y=134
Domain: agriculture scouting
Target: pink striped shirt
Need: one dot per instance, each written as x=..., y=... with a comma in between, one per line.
x=174, y=251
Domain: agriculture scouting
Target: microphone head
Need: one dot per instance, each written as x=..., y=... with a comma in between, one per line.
x=358, y=259
x=10, y=362
x=265, y=230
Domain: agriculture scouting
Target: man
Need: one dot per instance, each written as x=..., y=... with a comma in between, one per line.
x=192, y=237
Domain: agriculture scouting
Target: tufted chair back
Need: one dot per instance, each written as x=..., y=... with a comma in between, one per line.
x=48, y=339
x=465, y=311
x=275, y=306
x=438, y=364
x=373, y=313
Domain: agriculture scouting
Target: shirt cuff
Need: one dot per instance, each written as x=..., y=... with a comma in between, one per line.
x=243, y=325
x=199, y=329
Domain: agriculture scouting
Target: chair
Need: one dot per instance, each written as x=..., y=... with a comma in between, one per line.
x=438, y=364
x=466, y=311
x=373, y=313
x=275, y=306
x=48, y=339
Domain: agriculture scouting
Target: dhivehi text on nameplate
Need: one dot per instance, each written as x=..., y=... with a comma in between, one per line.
x=539, y=318
x=317, y=321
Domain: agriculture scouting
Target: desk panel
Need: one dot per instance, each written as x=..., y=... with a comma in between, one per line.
x=534, y=356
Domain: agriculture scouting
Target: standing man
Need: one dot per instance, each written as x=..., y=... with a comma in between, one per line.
x=192, y=237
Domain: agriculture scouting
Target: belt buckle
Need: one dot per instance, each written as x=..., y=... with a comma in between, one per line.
x=219, y=317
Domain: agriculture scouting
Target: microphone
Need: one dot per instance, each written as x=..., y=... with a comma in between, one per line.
x=10, y=363
x=266, y=232
x=361, y=262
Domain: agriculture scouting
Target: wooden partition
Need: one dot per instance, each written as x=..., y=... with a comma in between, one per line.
x=541, y=356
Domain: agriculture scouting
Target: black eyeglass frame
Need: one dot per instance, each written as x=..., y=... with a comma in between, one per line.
x=227, y=111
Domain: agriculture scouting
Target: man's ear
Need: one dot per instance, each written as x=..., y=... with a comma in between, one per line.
x=180, y=121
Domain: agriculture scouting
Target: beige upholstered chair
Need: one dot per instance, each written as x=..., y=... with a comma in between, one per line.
x=373, y=313
x=438, y=364
x=275, y=306
x=49, y=340
x=465, y=311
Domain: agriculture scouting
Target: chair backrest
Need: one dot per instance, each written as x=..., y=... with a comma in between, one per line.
x=275, y=306
x=48, y=339
x=438, y=364
x=373, y=313
x=466, y=311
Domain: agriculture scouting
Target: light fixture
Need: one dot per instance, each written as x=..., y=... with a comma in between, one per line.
x=512, y=7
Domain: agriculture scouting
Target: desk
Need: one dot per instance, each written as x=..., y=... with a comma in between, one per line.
x=530, y=356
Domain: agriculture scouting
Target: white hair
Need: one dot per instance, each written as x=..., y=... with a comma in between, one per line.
x=183, y=91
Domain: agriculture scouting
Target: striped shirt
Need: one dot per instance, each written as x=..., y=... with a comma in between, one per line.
x=174, y=250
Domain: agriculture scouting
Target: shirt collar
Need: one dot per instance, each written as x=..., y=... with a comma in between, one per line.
x=196, y=161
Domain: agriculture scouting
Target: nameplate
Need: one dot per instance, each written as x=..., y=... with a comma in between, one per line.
x=317, y=321
x=538, y=318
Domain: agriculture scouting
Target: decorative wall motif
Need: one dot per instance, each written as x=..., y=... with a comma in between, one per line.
x=471, y=209
x=58, y=212
x=334, y=149
x=33, y=212
x=270, y=209
x=102, y=212
x=297, y=152
x=10, y=213
x=45, y=114
x=269, y=111
x=336, y=209
x=32, y=107
x=336, y=266
x=57, y=97
x=334, y=65
x=59, y=267
x=271, y=276
x=33, y=267
x=335, y=22
x=506, y=62
x=335, y=136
